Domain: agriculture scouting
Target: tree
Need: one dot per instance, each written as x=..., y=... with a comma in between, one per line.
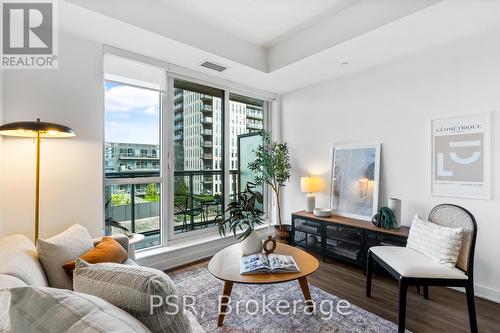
x=272, y=165
x=120, y=199
x=152, y=194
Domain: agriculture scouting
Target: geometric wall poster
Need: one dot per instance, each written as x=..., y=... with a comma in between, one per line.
x=461, y=156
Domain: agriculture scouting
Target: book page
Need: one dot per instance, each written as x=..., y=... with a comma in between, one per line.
x=254, y=263
x=279, y=262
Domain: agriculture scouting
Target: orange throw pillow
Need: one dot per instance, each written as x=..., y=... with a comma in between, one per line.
x=108, y=250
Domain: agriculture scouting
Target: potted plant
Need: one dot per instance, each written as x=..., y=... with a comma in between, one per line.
x=243, y=215
x=272, y=165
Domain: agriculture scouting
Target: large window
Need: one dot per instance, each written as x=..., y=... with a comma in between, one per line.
x=173, y=155
x=132, y=161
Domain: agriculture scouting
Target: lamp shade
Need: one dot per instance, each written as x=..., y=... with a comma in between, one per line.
x=29, y=129
x=310, y=184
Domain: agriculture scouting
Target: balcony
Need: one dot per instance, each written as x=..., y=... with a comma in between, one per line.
x=207, y=132
x=254, y=115
x=178, y=137
x=178, y=127
x=191, y=211
x=207, y=98
x=208, y=156
x=207, y=109
x=254, y=125
x=178, y=116
x=178, y=106
x=207, y=120
x=207, y=144
x=138, y=157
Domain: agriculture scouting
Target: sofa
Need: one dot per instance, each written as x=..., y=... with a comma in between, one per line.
x=20, y=267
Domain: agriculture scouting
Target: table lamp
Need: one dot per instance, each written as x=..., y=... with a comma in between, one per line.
x=310, y=185
x=36, y=129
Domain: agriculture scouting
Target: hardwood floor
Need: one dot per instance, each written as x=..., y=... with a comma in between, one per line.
x=445, y=311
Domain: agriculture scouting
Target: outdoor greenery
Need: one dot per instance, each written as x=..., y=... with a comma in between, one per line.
x=120, y=199
x=272, y=166
x=243, y=214
x=152, y=193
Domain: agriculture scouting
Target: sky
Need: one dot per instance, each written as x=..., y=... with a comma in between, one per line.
x=131, y=114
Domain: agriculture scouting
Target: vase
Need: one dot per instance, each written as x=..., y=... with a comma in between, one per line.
x=283, y=233
x=395, y=206
x=252, y=244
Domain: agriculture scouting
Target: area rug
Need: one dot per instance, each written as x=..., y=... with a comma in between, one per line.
x=203, y=291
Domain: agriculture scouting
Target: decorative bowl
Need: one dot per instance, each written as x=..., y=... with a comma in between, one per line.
x=322, y=212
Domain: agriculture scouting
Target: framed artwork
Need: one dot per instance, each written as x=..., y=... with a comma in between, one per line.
x=461, y=156
x=355, y=180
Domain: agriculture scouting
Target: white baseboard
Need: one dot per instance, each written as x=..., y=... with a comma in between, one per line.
x=483, y=292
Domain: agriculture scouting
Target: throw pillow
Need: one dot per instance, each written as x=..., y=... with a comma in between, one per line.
x=440, y=243
x=108, y=250
x=34, y=309
x=58, y=250
x=146, y=293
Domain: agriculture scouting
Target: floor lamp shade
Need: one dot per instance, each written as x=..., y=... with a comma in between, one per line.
x=36, y=129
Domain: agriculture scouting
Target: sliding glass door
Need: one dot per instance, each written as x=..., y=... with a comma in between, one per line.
x=198, y=144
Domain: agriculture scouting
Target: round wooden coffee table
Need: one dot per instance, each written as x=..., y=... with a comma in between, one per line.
x=225, y=265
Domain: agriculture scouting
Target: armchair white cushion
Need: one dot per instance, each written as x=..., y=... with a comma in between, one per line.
x=413, y=264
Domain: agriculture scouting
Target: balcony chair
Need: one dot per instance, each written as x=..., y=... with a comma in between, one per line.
x=412, y=268
x=186, y=205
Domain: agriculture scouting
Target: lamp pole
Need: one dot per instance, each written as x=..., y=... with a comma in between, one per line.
x=37, y=185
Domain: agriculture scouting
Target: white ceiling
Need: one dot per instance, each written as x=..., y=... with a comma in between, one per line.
x=260, y=22
x=380, y=41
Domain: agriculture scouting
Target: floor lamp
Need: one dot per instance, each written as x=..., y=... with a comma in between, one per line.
x=38, y=130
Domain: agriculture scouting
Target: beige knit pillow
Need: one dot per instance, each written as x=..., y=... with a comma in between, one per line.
x=131, y=288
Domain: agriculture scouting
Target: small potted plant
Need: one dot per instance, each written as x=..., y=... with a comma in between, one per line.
x=272, y=166
x=243, y=216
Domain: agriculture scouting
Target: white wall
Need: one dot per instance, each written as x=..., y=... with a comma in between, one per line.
x=71, y=169
x=393, y=104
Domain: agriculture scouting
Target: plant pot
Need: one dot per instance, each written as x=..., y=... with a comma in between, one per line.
x=252, y=244
x=283, y=233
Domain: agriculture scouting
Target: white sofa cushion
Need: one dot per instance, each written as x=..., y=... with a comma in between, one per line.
x=9, y=281
x=19, y=258
x=131, y=288
x=440, y=243
x=411, y=263
x=58, y=250
x=56, y=310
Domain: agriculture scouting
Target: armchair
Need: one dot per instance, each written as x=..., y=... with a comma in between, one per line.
x=411, y=268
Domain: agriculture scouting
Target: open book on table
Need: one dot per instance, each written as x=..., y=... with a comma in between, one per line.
x=261, y=263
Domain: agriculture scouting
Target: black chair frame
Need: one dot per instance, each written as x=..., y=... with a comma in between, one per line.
x=405, y=282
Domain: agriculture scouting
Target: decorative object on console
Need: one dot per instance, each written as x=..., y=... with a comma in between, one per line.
x=36, y=129
x=395, y=206
x=461, y=156
x=322, y=212
x=272, y=166
x=310, y=185
x=243, y=214
x=384, y=219
x=355, y=180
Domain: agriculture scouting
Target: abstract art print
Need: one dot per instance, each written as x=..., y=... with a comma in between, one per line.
x=355, y=180
x=461, y=156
